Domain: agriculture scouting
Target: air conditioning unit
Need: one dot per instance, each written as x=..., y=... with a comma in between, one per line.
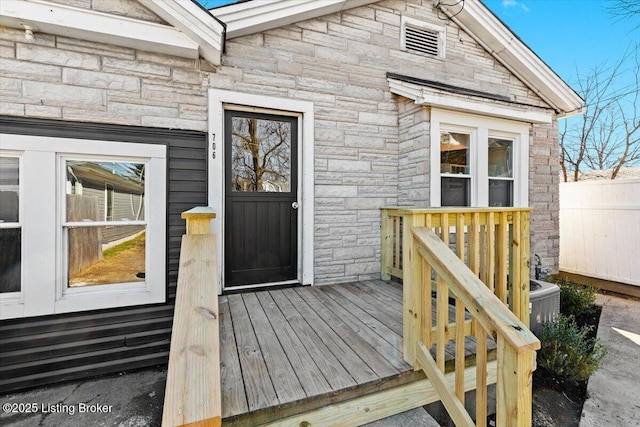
x=544, y=299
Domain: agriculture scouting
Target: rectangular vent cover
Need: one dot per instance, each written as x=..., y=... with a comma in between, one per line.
x=421, y=40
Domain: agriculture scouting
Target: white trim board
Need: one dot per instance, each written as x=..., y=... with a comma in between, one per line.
x=474, y=18
x=194, y=31
x=219, y=100
x=423, y=95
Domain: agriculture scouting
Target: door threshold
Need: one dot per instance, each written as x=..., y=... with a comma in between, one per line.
x=261, y=287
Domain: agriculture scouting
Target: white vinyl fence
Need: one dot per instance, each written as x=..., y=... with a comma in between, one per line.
x=600, y=229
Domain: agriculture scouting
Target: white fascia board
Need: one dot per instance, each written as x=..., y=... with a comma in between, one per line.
x=446, y=100
x=193, y=21
x=511, y=52
x=256, y=16
x=85, y=24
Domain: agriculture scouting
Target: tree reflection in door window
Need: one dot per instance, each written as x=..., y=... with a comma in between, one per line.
x=261, y=155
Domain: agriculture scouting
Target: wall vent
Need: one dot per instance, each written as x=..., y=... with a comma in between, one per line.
x=422, y=37
x=420, y=40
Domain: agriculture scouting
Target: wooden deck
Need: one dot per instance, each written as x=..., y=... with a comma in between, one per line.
x=289, y=351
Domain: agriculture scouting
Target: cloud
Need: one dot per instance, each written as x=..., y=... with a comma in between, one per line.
x=514, y=3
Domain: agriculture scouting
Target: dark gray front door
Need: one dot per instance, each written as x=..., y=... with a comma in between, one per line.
x=261, y=183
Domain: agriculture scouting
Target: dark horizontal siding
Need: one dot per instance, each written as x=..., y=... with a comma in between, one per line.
x=50, y=349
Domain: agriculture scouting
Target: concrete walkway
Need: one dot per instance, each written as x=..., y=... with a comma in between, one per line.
x=613, y=390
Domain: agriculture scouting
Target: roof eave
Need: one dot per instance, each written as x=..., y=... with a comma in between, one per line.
x=68, y=21
x=256, y=16
x=504, y=46
x=195, y=22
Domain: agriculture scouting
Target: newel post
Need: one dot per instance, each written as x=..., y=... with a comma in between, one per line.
x=199, y=220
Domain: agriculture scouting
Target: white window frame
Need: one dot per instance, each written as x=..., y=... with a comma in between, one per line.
x=481, y=128
x=43, y=191
x=440, y=30
x=10, y=300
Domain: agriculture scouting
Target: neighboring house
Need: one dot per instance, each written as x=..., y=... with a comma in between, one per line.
x=348, y=105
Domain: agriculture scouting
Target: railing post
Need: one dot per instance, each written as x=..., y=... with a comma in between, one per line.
x=386, y=244
x=411, y=284
x=525, y=242
x=193, y=387
x=199, y=220
x=514, y=389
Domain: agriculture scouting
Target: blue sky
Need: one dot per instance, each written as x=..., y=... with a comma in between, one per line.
x=566, y=34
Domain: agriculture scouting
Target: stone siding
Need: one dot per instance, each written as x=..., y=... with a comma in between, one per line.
x=62, y=78
x=371, y=147
x=368, y=148
x=544, y=195
x=413, y=154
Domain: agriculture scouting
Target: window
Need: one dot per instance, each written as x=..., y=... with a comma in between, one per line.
x=93, y=232
x=422, y=37
x=10, y=229
x=482, y=161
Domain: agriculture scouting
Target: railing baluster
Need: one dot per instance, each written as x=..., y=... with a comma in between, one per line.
x=481, y=376
x=386, y=245
x=460, y=335
x=525, y=270
x=491, y=251
x=514, y=260
x=502, y=254
x=442, y=321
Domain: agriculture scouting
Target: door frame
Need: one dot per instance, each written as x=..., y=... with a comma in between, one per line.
x=221, y=100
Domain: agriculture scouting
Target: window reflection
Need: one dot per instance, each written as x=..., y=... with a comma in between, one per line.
x=500, y=158
x=96, y=259
x=454, y=153
x=105, y=191
x=10, y=259
x=11, y=232
x=9, y=189
x=260, y=155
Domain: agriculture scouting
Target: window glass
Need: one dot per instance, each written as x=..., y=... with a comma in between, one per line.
x=500, y=158
x=500, y=193
x=455, y=192
x=454, y=153
x=111, y=192
x=10, y=259
x=9, y=189
x=10, y=231
x=260, y=155
x=108, y=191
x=106, y=255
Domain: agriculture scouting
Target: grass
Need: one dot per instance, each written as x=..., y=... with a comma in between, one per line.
x=135, y=243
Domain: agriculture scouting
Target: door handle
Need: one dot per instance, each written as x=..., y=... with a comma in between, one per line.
x=294, y=205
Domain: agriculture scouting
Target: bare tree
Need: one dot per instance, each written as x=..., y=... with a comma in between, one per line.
x=606, y=136
x=625, y=10
x=261, y=154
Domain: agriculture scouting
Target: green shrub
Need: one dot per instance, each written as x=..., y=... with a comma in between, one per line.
x=575, y=298
x=567, y=352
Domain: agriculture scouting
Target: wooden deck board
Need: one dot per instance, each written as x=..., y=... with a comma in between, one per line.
x=309, y=375
x=291, y=350
x=344, y=308
x=341, y=349
x=370, y=303
x=234, y=399
x=334, y=373
x=282, y=375
x=353, y=337
x=257, y=384
x=389, y=335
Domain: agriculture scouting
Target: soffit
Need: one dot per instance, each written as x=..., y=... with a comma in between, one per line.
x=192, y=31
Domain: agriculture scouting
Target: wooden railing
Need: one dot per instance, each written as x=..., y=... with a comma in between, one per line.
x=192, y=393
x=493, y=243
x=427, y=259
